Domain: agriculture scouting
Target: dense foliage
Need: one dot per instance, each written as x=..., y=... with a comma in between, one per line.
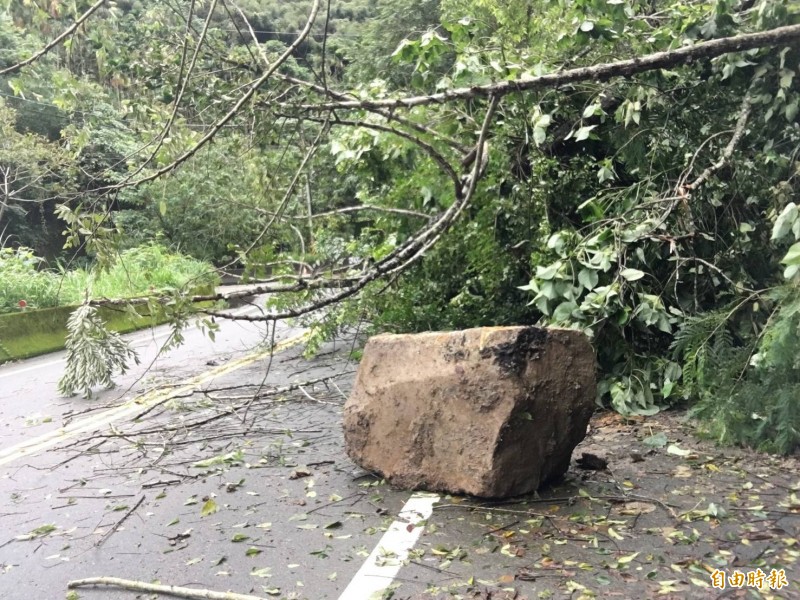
x=25, y=284
x=657, y=211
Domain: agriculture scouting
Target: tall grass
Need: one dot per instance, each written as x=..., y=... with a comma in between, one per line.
x=138, y=271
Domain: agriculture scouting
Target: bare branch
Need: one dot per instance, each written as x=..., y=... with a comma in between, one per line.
x=386, y=114
x=386, y=209
x=65, y=34
x=157, y=588
x=244, y=99
x=738, y=133
x=406, y=255
x=252, y=33
x=602, y=72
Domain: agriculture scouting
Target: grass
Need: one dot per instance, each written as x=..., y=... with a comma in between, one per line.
x=139, y=271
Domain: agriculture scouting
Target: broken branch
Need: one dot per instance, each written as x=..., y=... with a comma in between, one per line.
x=602, y=72
x=156, y=588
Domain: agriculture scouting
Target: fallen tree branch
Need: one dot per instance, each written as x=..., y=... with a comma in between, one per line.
x=427, y=148
x=602, y=72
x=116, y=525
x=413, y=249
x=430, y=150
x=371, y=207
x=254, y=290
x=64, y=35
x=156, y=588
x=738, y=133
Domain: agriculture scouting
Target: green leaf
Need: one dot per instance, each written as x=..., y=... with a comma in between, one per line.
x=785, y=221
x=209, y=508
x=658, y=440
x=539, y=135
x=591, y=110
x=548, y=272
x=229, y=458
x=563, y=311
x=790, y=112
x=588, y=278
x=605, y=174
x=583, y=132
x=632, y=274
x=793, y=255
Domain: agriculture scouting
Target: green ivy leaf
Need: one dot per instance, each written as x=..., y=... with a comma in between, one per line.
x=564, y=310
x=632, y=274
x=785, y=221
x=792, y=256
x=588, y=278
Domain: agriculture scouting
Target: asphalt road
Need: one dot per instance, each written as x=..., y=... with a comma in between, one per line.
x=203, y=468
x=220, y=466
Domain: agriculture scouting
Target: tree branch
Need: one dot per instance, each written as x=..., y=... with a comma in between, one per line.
x=602, y=72
x=386, y=209
x=738, y=133
x=412, y=250
x=67, y=32
x=156, y=588
x=244, y=99
x=427, y=148
x=184, y=80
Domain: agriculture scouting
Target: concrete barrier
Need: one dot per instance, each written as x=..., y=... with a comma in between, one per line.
x=34, y=332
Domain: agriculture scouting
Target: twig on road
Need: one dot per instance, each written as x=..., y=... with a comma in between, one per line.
x=116, y=525
x=170, y=590
x=160, y=482
x=318, y=508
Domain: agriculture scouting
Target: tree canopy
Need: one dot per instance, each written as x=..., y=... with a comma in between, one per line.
x=624, y=167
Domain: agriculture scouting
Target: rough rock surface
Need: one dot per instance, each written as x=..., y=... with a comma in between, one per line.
x=491, y=412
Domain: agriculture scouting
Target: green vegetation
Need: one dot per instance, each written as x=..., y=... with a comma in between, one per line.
x=94, y=353
x=35, y=332
x=652, y=206
x=139, y=271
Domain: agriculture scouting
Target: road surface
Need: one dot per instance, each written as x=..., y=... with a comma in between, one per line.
x=183, y=475
x=220, y=466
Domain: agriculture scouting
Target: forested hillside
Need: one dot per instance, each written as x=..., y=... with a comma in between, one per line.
x=625, y=167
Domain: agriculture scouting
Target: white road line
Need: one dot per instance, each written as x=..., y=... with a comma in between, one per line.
x=383, y=565
x=50, y=363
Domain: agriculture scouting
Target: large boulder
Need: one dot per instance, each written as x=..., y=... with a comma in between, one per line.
x=491, y=412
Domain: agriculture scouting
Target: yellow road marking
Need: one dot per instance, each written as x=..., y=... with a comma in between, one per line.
x=135, y=405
